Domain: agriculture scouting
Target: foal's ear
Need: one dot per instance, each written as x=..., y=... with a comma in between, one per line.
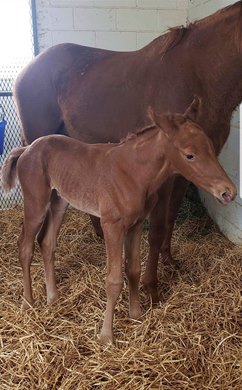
x=164, y=121
x=193, y=110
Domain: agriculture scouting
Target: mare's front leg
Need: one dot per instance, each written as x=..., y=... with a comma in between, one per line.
x=47, y=238
x=133, y=268
x=162, y=221
x=114, y=238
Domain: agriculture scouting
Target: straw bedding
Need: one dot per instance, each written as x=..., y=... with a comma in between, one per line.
x=191, y=341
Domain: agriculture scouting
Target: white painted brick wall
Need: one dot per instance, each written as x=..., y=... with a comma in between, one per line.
x=110, y=24
x=137, y=20
x=116, y=40
x=88, y=37
x=200, y=8
x=171, y=17
x=95, y=19
x=229, y=218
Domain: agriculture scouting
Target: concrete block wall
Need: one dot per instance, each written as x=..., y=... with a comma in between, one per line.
x=109, y=24
x=229, y=218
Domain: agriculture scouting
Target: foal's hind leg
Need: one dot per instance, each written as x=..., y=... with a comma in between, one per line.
x=133, y=268
x=47, y=240
x=33, y=219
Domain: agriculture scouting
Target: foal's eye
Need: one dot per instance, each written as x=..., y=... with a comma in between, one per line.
x=190, y=157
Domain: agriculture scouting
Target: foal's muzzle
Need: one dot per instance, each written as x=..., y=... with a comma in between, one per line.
x=227, y=196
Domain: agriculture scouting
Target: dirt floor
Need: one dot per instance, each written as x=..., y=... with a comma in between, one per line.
x=193, y=340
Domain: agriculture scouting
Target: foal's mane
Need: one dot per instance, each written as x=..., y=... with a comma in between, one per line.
x=133, y=135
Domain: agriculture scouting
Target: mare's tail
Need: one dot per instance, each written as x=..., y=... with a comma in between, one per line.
x=9, y=171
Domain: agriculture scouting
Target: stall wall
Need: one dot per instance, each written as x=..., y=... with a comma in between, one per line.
x=109, y=24
x=229, y=218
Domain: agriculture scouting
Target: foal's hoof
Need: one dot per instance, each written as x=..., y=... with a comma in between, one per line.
x=27, y=305
x=52, y=300
x=106, y=339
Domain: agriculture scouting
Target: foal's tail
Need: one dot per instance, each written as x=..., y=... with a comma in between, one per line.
x=9, y=171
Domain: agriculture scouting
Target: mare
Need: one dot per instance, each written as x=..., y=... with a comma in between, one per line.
x=99, y=95
x=117, y=183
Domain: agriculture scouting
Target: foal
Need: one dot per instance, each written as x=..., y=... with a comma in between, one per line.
x=116, y=182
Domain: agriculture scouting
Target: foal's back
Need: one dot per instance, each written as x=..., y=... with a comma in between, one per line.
x=71, y=167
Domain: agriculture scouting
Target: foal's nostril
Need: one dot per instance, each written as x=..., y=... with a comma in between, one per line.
x=227, y=196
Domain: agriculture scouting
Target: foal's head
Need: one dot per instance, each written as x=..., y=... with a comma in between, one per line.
x=191, y=152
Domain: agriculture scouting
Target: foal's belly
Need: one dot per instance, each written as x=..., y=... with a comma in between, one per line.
x=85, y=202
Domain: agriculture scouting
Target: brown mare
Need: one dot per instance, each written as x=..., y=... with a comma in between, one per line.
x=116, y=182
x=99, y=95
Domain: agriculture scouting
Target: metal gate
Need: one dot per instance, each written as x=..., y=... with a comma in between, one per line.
x=8, y=73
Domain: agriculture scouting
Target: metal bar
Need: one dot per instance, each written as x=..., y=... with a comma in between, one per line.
x=5, y=94
x=34, y=26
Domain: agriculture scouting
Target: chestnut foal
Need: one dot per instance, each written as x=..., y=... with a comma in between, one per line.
x=116, y=182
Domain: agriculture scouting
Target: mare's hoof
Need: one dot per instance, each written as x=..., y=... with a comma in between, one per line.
x=169, y=261
x=135, y=314
x=155, y=302
x=153, y=293
x=99, y=233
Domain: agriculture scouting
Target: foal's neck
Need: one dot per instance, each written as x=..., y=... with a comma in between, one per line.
x=147, y=155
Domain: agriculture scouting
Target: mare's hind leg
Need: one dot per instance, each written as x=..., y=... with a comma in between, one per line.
x=96, y=225
x=162, y=221
x=47, y=240
x=33, y=219
x=133, y=268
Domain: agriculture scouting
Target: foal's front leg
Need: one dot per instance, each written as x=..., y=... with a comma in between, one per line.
x=133, y=268
x=114, y=237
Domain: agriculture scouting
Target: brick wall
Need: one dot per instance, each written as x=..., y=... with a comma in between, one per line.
x=109, y=24
x=229, y=218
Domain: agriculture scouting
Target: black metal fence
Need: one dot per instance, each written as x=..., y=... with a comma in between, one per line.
x=12, y=129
